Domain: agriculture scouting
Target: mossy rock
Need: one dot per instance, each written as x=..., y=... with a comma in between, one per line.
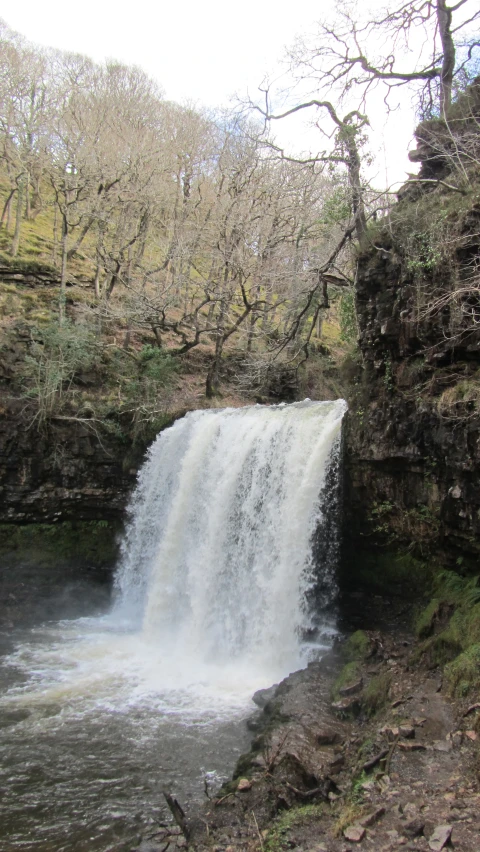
x=462, y=675
x=93, y=543
x=356, y=647
x=376, y=694
x=350, y=673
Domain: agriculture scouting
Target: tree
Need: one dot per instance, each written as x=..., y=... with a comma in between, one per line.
x=24, y=108
x=350, y=57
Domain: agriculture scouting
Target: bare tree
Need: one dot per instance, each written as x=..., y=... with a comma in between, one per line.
x=356, y=53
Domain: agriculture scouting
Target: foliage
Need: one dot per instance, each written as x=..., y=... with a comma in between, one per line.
x=88, y=542
x=450, y=624
x=58, y=353
x=356, y=647
x=348, y=318
x=462, y=675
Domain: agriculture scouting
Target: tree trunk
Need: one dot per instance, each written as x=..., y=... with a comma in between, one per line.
x=63, y=274
x=444, y=18
x=18, y=219
x=6, y=208
x=28, y=208
x=96, y=283
x=55, y=237
x=348, y=135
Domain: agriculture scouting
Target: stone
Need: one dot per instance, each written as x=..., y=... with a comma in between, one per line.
x=414, y=828
x=328, y=737
x=371, y=819
x=440, y=837
x=472, y=735
x=346, y=705
x=262, y=696
x=354, y=833
x=244, y=784
x=352, y=688
x=443, y=745
x=407, y=732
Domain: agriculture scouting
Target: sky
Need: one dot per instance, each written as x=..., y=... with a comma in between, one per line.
x=202, y=53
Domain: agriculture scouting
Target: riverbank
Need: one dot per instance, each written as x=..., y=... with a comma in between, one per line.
x=372, y=748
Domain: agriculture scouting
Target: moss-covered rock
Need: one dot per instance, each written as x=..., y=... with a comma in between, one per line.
x=462, y=675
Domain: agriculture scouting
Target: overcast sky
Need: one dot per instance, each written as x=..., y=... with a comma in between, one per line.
x=199, y=52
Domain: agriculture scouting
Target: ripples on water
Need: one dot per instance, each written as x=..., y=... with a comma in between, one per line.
x=94, y=727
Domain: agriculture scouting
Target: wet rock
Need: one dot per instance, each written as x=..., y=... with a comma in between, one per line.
x=262, y=696
x=336, y=764
x=407, y=732
x=347, y=706
x=442, y=745
x=440, y=837
x=354, y=833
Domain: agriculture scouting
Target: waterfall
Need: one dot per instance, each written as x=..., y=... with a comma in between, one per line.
x=218, y=558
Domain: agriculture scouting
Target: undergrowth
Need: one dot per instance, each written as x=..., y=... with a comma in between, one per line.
x=449, y=630
x=278, y=836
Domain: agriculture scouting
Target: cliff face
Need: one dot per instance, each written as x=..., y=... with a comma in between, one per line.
x=413, y=433
x=68, y=472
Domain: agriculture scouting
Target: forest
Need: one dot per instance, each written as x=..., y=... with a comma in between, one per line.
x=164, y=228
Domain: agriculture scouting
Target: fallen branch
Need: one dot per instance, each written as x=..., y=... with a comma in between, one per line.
x=374, y=760
x=471, y=709
x=218, y=802
x=309, y=794
x=178, y=814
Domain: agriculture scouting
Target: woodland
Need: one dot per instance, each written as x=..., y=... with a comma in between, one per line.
x=153, y=229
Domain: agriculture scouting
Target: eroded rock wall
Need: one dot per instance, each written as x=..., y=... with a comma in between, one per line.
x=413, y=431
x=68, y=471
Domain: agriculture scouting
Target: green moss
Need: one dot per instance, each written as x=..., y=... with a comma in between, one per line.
x=357, y=647
x=376, y=694
x=350, y=673
x=424, y=621
x=462, y=675
x=277, y=838
x=450, y=624
x=437, y=650
x=85, y=542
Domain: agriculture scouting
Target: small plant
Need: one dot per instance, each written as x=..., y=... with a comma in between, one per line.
x=59, y=352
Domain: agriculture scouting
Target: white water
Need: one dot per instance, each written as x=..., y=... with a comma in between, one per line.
x=211, y=605
x=218, y=557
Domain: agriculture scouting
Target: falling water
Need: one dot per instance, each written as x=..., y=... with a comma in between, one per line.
x=218, y=557
x=230, y=542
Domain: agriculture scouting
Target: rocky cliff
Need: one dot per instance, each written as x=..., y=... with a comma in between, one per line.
x=413, y=436
x=68, y=472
